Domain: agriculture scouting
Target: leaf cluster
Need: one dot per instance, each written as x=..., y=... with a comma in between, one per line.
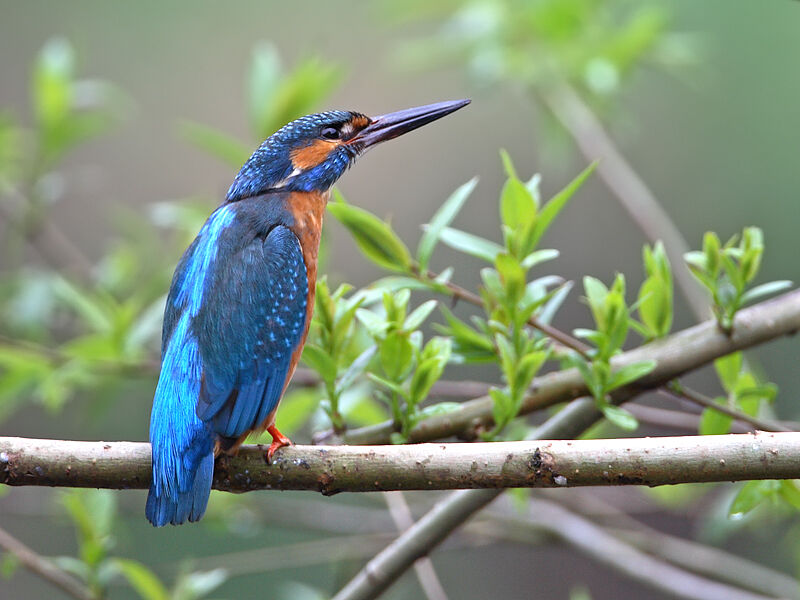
x=726, y=270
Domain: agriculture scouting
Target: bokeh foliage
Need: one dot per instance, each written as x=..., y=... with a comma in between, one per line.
x=70, y=329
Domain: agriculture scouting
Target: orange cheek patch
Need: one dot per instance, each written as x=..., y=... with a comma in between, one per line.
x=310, y=156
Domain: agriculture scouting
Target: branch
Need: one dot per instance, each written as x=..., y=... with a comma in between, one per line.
x=449, y=514
x=44, y=567
x=620, y=177
x=676, y=419
x=333, y=469
x=52, y=245
x=603, y=547
x=687, y=554
x=676, y=390
x=675, y=355
x=426, y=574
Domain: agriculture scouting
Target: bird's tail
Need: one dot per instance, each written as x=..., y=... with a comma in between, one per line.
x=176, y=497
x=182, y=444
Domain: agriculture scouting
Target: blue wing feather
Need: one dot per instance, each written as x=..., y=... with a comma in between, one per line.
x=235, y=313
x=251, y=321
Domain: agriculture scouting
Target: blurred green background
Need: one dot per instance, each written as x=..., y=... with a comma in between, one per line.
x=714, y=133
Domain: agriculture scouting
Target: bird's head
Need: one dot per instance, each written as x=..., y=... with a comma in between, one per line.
x=311, y=153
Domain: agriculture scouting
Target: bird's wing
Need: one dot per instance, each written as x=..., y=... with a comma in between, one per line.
x=250, y=323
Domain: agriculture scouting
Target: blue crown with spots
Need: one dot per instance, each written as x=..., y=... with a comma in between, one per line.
x=270, y=168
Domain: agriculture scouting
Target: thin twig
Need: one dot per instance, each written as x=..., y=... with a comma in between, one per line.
x=676, y=419
x=698, y=558
x=426, y=574
x=624, y=558
x=680, y=391
x=53, y=245
x=44, y=567
x=711, y=562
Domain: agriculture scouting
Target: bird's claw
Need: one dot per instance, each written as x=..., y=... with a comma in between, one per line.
x=278, y=441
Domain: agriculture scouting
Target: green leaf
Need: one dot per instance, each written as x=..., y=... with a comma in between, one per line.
x=391, y=385
x=711, y=251
x=728, y=369
x=443, y=217
x=434, y=359
x=550, y=308
x=790, y=493
x=557, y=203
x=620, y=417
x=596, y=293
x=629, y=373
x=765, y=289
x=508, y=165
x=734, y=273
x=392, y=283
x=528, y=367
x=517, y=208
x=226, y=148
x=751, y=495
x=296, y=407
x=375, y=238
x=361, y=408
x=501, y=406
x=141, y=579
x=512, y=275
x=753, y=246
x=439, y=409
x=418, y=315
x=538, y=257
x=492, y=283
x=198, y=584
x=277, y=98
x=320, y=361
x=396, y=354
x=507, y=357
x=263, y=81
x=8, y=565
x=52, y=83
x=471, y=244
x=696, y=260
x=356, y=368
x=655, y=305
x=598, y=338
x=91, y=308
x=469, y=344
x=713, y=422
x=375, y=324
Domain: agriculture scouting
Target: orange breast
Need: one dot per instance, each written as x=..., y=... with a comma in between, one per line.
x=308, y=209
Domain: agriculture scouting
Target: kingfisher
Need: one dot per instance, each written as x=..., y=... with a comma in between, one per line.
x=241, y=300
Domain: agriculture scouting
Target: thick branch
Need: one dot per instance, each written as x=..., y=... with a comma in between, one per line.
x=675, y=355
x=333, y=469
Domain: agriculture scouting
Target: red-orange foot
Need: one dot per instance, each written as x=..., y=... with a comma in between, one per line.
x=278, y=441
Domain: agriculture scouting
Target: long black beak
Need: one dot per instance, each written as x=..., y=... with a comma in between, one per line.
x=392, y=125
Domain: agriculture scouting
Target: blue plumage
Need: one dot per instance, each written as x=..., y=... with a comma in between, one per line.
x=238, y=307
x=235, y=313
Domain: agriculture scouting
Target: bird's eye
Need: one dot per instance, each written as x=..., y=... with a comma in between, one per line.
x=330, y=133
